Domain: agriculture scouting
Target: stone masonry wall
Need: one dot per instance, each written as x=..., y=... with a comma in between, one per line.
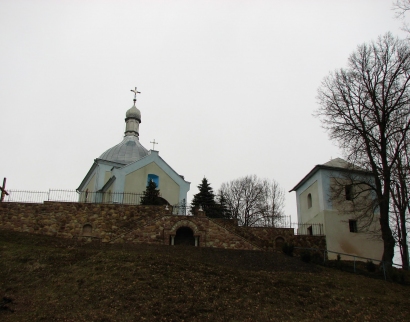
x=140, y=224
x=68, y=219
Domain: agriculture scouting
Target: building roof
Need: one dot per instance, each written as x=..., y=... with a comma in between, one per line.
x=129, y=150
x=337, y=164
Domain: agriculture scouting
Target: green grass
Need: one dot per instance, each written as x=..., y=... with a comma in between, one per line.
x=51, y=279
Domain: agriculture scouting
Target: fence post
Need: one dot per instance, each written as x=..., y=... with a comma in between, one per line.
x=324, y=256
x=384, y=270
x=354, y=264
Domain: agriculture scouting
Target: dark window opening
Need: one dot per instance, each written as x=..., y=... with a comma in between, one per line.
x=309, y=200
x=353, y=226
x=310, y=231
x=349, y=192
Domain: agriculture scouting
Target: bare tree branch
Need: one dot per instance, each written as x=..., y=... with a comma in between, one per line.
x=253, y=201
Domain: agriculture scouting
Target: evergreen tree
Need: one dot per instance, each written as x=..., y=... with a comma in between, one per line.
x=151, y=195
x=224, y=210
x=205, y=198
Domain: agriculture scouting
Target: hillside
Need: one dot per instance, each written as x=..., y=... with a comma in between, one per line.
x=50, y=279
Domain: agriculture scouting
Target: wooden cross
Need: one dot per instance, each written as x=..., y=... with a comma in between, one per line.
x=135, y=94
x=153, y=144
x=3, y=190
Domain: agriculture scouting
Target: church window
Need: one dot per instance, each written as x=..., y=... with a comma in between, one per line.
x=310, y=230
x=154, y=178
x=309, y=200
x=349, y=192
x=353, y=226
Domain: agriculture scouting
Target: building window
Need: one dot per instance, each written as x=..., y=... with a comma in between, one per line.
x=309, y=200
x=310, y=231
x=349, y=192
x=154, y=178
x=353, y=226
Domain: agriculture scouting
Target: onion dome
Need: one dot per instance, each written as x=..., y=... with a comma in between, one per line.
x=134, y=113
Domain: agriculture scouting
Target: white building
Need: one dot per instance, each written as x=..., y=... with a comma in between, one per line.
x=125, y=170
x=325, y=196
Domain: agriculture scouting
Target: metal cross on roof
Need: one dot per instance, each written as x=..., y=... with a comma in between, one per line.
x=135, y=94
x=153, y=144
x=3, y=190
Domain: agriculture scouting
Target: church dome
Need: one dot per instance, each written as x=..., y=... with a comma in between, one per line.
x=129, y=150
x=133, y=112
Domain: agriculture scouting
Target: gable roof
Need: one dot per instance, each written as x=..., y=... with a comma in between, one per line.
x=151, y=158
x=337, y=164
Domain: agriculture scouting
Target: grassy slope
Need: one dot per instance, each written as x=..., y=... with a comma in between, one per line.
x=49, y=279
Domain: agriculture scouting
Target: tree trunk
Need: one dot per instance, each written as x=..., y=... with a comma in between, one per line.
x=403, y=241
x=387, y=235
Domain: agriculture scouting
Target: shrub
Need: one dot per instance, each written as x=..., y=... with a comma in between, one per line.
x=396, y=275
x=288, y=249
x=317, y=258
x=370, y=266
x=306, y=256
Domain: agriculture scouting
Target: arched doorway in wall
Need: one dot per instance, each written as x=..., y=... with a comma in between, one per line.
x=279, y=241
x=87, y=230
x=184, y=236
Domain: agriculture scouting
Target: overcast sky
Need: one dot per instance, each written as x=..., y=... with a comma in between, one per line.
x=228, y=87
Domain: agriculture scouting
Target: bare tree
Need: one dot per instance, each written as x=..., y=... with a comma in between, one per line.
x=254, y=201
x=365, y=109
x=401, y=7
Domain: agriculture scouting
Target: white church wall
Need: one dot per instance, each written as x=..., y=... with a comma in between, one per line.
x=340, y=239
x=309, y=202
x=136, y=181
x=107, y=176
x=334, y=214
x=90, y=186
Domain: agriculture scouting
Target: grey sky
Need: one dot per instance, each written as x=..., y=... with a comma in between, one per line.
x=228, y=87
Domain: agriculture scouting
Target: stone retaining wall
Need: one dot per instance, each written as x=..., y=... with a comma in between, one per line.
x=140, y=224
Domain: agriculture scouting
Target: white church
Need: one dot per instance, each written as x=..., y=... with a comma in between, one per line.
x=124, y=171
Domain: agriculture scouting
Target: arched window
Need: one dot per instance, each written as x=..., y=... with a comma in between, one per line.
x=87, y=230
x=309, y=200
x=154, y=178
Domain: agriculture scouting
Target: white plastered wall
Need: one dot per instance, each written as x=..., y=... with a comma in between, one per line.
x=136, y=182
x=169, y=179
x=335, y=225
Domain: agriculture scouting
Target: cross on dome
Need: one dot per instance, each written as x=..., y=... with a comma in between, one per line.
x=135, y=94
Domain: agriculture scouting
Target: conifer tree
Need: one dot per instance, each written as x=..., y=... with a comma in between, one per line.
x=205, y=198
x=224, y=210
x=151, y=195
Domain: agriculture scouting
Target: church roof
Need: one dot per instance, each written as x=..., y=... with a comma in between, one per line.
x=337, y=164
x=129, y=150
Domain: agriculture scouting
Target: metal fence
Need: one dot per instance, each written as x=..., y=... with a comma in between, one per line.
x=351, y=262
x=72, y=196
x=308, y=229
